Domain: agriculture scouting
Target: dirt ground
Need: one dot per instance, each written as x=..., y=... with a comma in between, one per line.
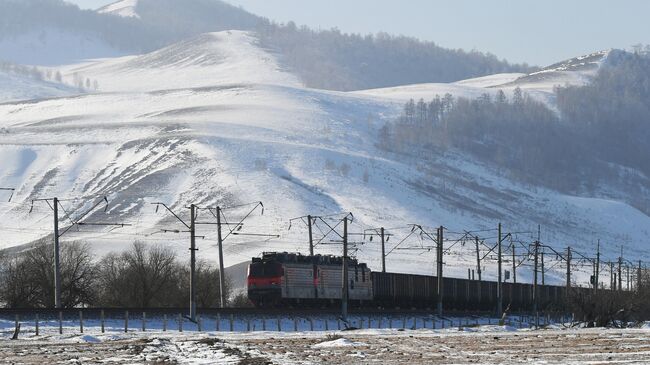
x=472, y=346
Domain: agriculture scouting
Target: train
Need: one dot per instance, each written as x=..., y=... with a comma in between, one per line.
x=291, y=279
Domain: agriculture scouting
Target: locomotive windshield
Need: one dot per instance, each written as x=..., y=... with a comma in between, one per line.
x=265, y=269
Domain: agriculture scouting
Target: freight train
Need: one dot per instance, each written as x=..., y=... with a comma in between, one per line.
x=289, y=279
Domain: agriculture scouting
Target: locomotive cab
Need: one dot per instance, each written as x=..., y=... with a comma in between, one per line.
x=265, y=281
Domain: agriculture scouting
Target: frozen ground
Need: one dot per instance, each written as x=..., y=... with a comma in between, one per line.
x=476, y=345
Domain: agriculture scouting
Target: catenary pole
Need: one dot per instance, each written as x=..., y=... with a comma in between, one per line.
x=568, y=271
x=499, y=284
x=439, y=274
x=222, y=274
x=193, y=250
x=57, y=263
x=383, y=250
x=344, y=294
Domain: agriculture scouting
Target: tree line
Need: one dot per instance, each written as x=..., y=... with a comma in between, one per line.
x=140, y=277
x=596, y=139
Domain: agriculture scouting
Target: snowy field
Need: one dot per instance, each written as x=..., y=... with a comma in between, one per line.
x=484, y=344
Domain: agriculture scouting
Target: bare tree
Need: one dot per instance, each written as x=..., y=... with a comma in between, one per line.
x=144, y=276
x=28, y=277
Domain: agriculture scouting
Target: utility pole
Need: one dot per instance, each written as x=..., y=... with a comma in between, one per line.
x=56, y=203
x=192, y=230
x=597, y=278
x=193, y=250
x=543, y=271
x=499, y=284
x=620, y=272
x=222, y=274
x=612, y=276
x=439, y=246
x=627, y=269
x=568, y=270
x=57, y=263
x=383, y=250
x=535, y=294
x=311, y=238
x=514, y=265
x=478, y=260
x=638, y=279
x=344, y=295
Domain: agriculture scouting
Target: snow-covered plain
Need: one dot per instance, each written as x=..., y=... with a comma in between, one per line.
x=218, y=120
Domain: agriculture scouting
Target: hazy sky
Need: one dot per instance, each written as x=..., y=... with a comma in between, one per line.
x=538, y=32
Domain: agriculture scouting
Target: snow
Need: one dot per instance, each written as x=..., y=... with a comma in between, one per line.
x=215, y=59
x=17, y=87
x=484, y=344
x=341, y=342
x=53, y=47
x=124, y=8
x=217, y=120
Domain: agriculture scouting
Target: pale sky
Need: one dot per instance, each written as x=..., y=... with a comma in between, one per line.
x=538, y=32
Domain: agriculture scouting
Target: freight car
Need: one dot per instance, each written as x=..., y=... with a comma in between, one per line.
x=293, y=279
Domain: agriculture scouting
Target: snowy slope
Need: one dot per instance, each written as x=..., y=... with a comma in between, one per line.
x=125, y=8
x=51, y=47
x=230, y=57
x=17, y=87
x=216, y=120
x=576, y=71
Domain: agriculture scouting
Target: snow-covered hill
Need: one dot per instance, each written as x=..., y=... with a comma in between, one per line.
x=576, y=71
x=18, y=87
x=125, y=8
x=53, y=47
x=216, y=120
x=230, y=57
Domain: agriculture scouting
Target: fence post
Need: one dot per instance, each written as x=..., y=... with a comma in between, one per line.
x=311, y=324
x=16, y=329
x=126, y=321
x=81, y=321
x=248, y=325
x=144, y=321
x=60, y=323
x=218, y=322
x=165, y=322
x=36, y=324
x=101, y=319
x=295, y=324
x=180, y=323
x=232, y=323
x=279, y=325
x=264, y=324
x=327, y=324
x=198, y=322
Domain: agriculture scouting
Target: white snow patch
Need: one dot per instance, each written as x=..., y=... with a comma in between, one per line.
x=340, y=342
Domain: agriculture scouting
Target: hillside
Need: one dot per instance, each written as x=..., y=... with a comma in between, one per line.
x=238, y=128
x=20, y=87
x=325, y=59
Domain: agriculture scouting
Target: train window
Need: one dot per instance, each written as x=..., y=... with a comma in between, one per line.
x=269, y=269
